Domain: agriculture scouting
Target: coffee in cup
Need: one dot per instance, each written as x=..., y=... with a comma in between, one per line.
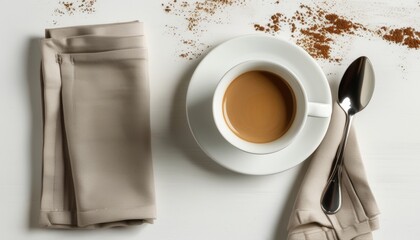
x=261, y=106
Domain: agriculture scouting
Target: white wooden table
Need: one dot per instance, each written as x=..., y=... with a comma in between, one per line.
x=196, y=198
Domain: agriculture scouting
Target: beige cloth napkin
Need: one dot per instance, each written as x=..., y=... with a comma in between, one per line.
x=97, y=168
x=358, y=216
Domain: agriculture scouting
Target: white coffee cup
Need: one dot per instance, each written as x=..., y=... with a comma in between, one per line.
x=304, y=108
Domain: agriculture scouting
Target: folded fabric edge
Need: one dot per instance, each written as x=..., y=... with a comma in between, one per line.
x=55, y=32
x=102, y=218
x=355, y=230
x=312, y=231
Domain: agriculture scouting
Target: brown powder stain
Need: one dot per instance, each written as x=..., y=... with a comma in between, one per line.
x=407, y=36
x=316, y=30
x=319, y=31
x=86, y=6
x=339, y=25
x=74, y=6
x=198, y=11
x=319, y=35
x=195, y=13
x=195, y=49
x=274, y=24
x=316, y=44
x=322, y=33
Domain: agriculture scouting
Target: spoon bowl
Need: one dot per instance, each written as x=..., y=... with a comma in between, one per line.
x=356, y=86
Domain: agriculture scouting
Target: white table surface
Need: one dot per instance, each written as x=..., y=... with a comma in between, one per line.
x=196, y=198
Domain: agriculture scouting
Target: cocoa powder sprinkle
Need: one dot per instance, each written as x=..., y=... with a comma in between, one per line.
x=319, y=34
x=322, y=33
x=320, y=30
x=195, y=14
x=317, y=29
x=75, y=6
x=407, y=36
x=198, y=11
x=273, y=25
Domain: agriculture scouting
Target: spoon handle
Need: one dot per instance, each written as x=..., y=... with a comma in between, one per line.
x=331, y=196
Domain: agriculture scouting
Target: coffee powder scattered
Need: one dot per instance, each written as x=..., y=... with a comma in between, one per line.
x=198, y=11
x=273, y=25
x=195, y=14
x=314, y=28
x=319, y=31
x=75, y=6
x=407, y=36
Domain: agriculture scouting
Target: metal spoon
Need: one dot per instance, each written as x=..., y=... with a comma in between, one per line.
x=354, y=93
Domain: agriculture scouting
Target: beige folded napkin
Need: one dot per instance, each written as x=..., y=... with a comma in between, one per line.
x=97, y=168
x=358, y=215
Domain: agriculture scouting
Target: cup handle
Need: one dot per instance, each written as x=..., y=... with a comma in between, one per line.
x=321, y=110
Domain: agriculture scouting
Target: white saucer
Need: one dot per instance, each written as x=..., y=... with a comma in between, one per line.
x=203, y=84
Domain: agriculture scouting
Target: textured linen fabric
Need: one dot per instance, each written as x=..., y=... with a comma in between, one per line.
x=97, y=167
x=358, y=215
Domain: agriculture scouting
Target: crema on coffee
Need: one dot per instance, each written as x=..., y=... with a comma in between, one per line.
x=259, y=106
